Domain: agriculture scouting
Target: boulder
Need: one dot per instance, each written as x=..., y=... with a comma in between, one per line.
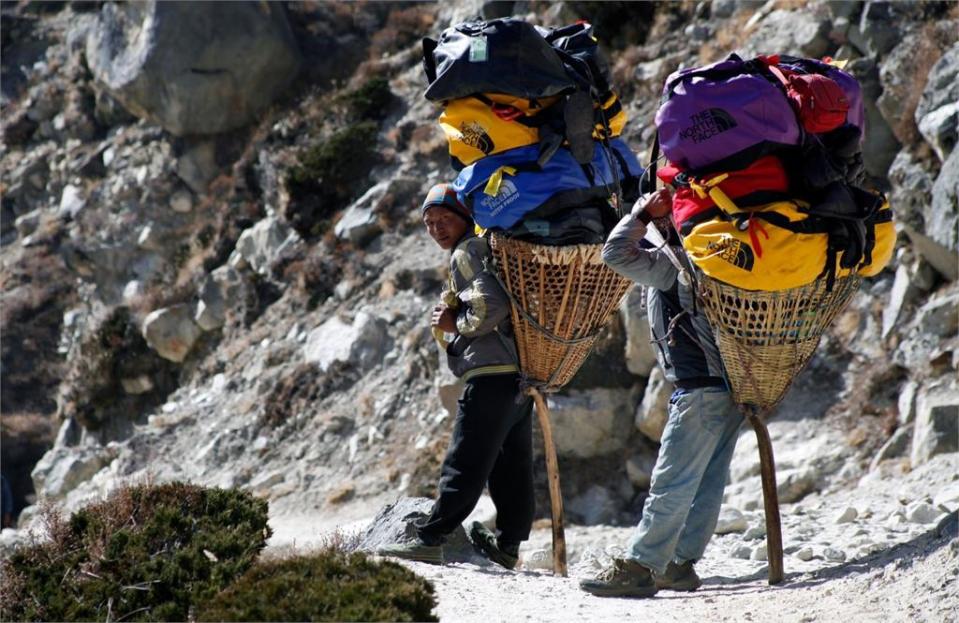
x=216, y=75
x=653, y=411
x=639, y=469
x=591, y=422
x=944, y=260
x=942, y=215
x=878, y=30
x=896, y=446
x=903, y=292
x=171, y=331
x=221, y=291
x=61, y=470
x=395, y=524
x=640, y=356
x=362, y=343
x=359, y=223
x=937, y=112
x=880, y=145
x=263, y=243
x=731, y=520
x=911, y=192
x=802, y=33
x=899, y=93
x=71, y=201
x=937, y=422
x=595, y=506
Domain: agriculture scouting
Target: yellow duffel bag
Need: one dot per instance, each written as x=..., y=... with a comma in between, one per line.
x=489, y=123
x=777, y=246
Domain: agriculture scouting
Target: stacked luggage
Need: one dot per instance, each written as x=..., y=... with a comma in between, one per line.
x=533, y=129
x=765, y=156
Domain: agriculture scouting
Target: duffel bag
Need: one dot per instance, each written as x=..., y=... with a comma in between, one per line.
x=726, y=115
x=502, y=189
x=780, y=246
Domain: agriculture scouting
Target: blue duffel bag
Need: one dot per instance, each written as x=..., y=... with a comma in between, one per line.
x=502, y=189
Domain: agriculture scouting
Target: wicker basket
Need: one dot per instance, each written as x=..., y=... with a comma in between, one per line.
x=767, y=338
x=562, y=297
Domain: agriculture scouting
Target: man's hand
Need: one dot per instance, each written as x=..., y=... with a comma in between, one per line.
x=444, y=318
x=655, y=205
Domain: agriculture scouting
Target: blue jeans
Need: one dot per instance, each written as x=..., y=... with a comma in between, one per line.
x=689, y=478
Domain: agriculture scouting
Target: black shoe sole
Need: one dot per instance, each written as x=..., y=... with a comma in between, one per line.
x=482, y=540
x=641, y=592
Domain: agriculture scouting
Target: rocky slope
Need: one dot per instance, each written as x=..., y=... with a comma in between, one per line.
x=237, y=295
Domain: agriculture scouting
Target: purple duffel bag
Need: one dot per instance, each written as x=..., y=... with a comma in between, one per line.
x=724, y=116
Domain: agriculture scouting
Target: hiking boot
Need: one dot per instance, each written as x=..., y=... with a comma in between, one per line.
x=624, y=578
x=417, y=550
x=678, y=577
x=489, y=545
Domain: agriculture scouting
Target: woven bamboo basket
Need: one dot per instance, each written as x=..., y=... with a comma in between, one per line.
x=562, y=297
x=767, y=338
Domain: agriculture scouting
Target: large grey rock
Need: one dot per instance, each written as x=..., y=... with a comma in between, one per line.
x=221, y=291
x=590, y=422
x=640, y=356
x=895, y=447
x=931, y=337
x=938, y=109
x=903, y=292
x=899, y=93
x=193, y=67
x=595, y=506
x=261, y=244
x=880, y=145
x=653, y=412
x=395, y=524
x=878, y=30
x=731, y=520
x=790, y=32
x=362, y=343
x=639, y=469
x=359, y=222
x=942, y=217
x=937, y=422
x=911, y=192
x=941, y=258
x=171, y=331
x=62, y=469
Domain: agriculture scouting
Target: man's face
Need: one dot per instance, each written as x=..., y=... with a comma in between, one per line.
x=444, y=227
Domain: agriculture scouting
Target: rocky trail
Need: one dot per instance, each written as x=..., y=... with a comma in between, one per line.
x=883, y=549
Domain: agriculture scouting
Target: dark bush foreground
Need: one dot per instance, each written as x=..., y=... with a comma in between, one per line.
x=329, y=586
x=147, y=553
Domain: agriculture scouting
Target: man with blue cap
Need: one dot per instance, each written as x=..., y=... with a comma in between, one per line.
x=492, y=433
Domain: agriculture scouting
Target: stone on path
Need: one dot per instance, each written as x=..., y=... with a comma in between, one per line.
x=394, y=524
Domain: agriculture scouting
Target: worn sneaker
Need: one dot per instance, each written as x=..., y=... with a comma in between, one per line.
x=485, y=541
x=416, y=550
x=678, y=577
x=624, y=578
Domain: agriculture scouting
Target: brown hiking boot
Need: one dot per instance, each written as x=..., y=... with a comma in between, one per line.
x=678, y=577
x=624, y=578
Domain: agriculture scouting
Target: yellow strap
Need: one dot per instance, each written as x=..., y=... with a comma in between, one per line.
x=711, y=188
x=838, y=64
x=494, y=181
x=480, y=231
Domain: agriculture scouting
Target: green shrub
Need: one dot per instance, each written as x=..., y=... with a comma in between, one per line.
x=328, y=176
x=146, y=553
x=329, y=586
x=370, y=101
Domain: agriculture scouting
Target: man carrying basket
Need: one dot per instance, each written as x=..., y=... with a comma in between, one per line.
x=686, y=493
x=492, y=435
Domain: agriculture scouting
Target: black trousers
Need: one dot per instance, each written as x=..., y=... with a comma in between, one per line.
x=492, y=443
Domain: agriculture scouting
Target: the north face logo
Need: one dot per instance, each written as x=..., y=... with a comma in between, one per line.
x=707, y=124
x=508, y=193
x=734, y=252
x=475, y=135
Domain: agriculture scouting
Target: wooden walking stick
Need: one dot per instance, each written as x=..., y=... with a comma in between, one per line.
x=552, y=475
x=767, y=469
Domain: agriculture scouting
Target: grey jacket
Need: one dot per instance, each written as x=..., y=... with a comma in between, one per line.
x=688, y=352
x=484, y=343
